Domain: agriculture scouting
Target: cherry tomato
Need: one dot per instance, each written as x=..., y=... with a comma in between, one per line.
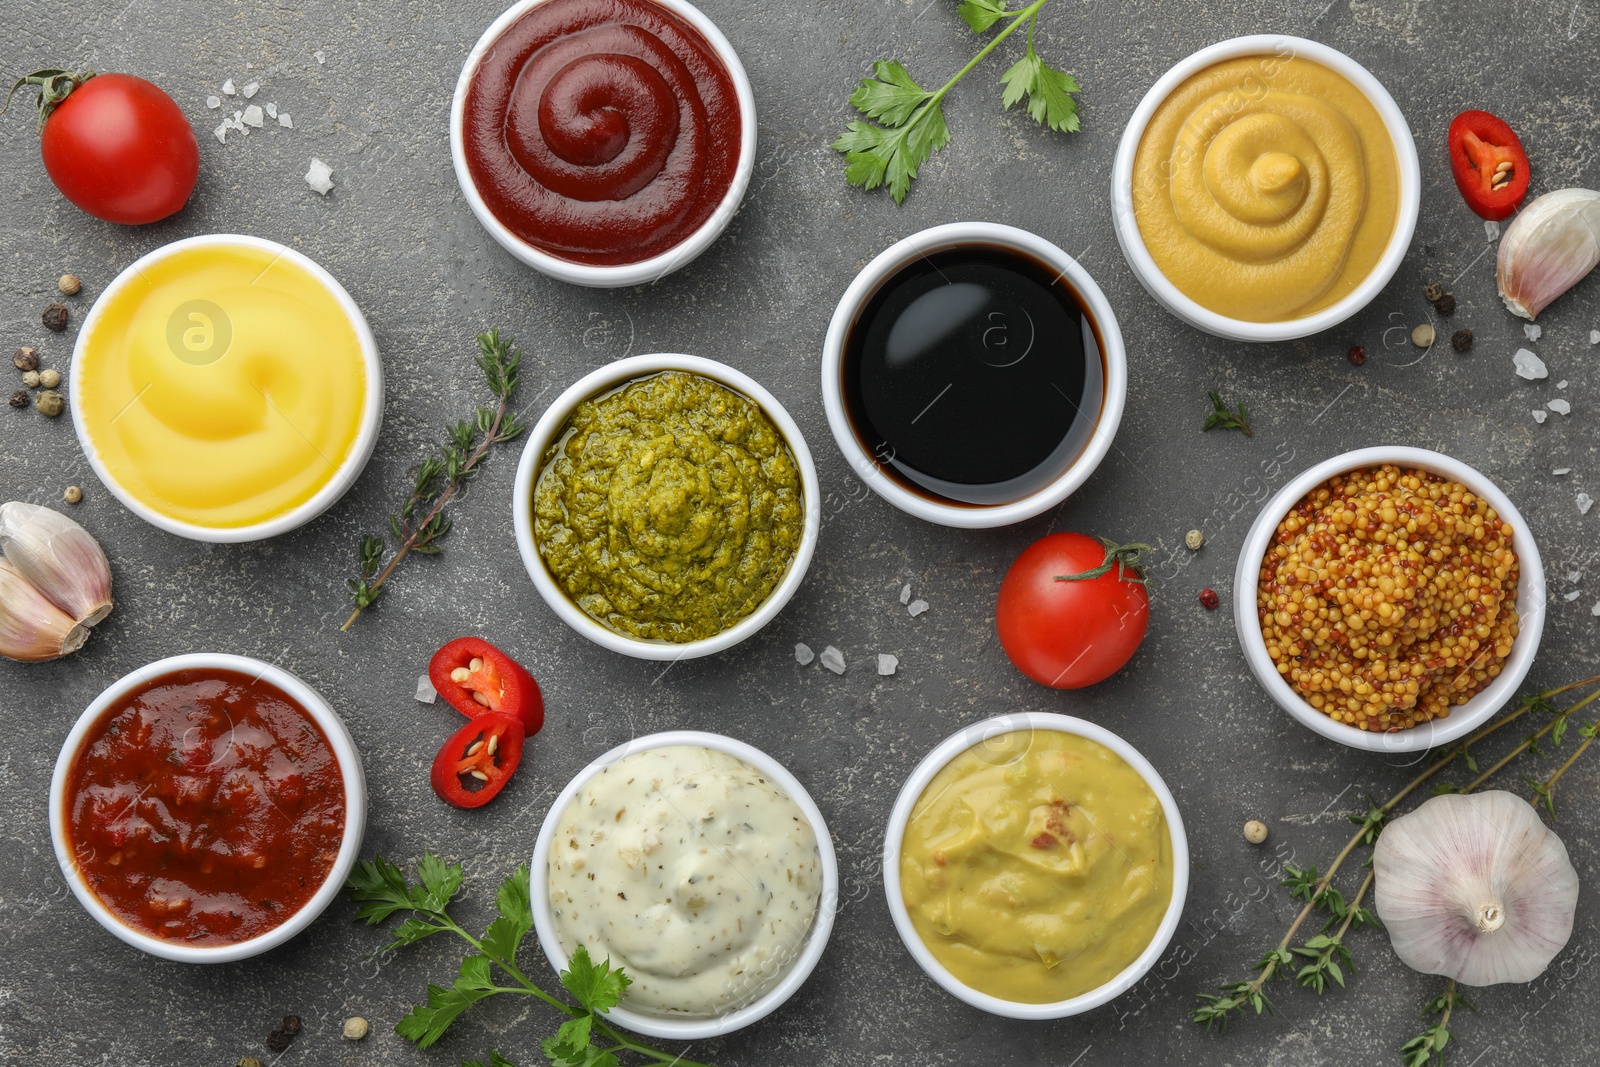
x=1071, y=633
x=115, y=145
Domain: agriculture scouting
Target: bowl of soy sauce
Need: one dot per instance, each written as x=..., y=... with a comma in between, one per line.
x=974, y=375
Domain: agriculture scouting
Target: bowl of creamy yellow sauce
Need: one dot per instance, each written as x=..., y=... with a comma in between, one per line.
x=1036, y=865
x=226, y=388
x=699, y=865
x=1266, y=188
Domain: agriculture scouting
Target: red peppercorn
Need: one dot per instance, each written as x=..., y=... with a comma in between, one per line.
x=1209, y=599
x=1357, y=354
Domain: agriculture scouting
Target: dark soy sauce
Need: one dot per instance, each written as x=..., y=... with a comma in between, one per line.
x=973, y=375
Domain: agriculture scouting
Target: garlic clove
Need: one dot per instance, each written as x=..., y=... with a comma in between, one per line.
x=60, y=559
x=32, y=628
x=1548, y=248
x=1475, y=888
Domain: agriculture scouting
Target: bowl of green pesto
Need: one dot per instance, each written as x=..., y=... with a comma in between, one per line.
x=666, y=506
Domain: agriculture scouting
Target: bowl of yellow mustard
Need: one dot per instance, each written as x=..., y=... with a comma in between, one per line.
x=226, y=388
x=1036, y=865
x=1266, y=188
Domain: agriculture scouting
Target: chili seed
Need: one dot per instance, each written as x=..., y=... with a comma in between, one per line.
x=69, y=285
x=1357, y=355
x=480, y=698
x=72, y=494
x=19, y=399
x=1432, y=291
x=1255, y=831
x=479, y=775
x=50, y=378
x=1461, y=340
x=474, y=748
x=25, y=358
x=1209, y=599
x=460, y=674
x=55, y=317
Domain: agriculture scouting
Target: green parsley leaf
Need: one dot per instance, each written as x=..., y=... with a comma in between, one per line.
x=1049, y=92
x=504, y=935
x=890, y=95
x=596, y=986
x=495, y=1060
x=381, y=886
x=982, y=14
x=440, y=881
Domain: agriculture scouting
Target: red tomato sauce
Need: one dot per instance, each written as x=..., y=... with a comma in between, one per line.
x=205, y=807
x=602, y=131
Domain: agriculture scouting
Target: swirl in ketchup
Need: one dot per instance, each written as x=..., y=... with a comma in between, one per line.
x=601, y=131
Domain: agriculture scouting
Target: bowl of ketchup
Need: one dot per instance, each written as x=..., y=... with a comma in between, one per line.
x=603, y=142
x=207, y=807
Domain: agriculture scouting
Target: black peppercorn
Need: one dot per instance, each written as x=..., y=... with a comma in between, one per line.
x=1461, y=340
x=277, y=1041
x=1357, y=355
x=1445, y=305
x=55, y=317
x=1432, y=291
x=19, y=399
x=25, y=358
x=290, y=1025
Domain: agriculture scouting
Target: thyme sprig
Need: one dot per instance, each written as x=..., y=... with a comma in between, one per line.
x=421, y=523
x=1326, y=955
x=1428, y=1046
x=1224, y=419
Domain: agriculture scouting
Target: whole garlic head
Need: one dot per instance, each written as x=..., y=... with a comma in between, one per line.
x=1476, y=888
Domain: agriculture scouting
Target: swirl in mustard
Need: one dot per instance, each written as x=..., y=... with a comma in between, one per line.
x=1266, y=188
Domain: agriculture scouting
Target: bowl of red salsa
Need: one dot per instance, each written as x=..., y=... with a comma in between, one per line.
x=207, y=807
x=603, y=142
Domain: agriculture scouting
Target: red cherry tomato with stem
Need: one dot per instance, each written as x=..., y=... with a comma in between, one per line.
x=117, y=146
x=1072, y=610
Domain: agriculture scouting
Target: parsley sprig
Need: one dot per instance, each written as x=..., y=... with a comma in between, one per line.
x=906, y=122
x=585, y=1039
x=441, y=476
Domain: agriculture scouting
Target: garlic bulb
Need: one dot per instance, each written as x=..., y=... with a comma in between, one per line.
x=50, y=562
x=1476, y=888
x=1548, y=248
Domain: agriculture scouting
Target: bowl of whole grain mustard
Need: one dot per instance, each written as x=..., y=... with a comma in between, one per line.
x=1390, y=599
x=666, y=506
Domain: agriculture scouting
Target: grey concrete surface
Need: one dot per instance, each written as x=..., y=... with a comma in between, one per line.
x=398, y=234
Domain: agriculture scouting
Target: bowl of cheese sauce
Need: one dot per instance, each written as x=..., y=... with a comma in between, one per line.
x=226, y=388
x=700, y=866
x=1036, y=865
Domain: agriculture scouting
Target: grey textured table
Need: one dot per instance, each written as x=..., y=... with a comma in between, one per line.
x=399, y=236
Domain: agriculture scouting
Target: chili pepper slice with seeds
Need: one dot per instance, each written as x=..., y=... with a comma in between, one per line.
x=478, y=760
x=1489, y=165
x=475, y=677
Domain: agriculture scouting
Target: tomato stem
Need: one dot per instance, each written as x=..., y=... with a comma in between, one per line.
x=54, y=85
x=1123, y=557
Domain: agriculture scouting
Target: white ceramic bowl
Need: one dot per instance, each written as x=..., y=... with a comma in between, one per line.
x=986, y=732
x=1462, y=719
x=861, y=290
x=695, y=1028
x=1168, y=295
x=343, y=478
x=645, y=271
x=548, y=429
x=355, y=792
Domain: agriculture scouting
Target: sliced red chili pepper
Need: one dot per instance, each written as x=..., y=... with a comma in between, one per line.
x=1489, y=165
x=475, y=677
x=478, y=760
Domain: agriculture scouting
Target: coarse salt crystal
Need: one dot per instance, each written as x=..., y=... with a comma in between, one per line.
x=803, y=654
x=905, y=593
x=1561, y=470
x=222, y=133
x=1560, y=407
x=1562, y=384
x=917, y=607
x=320, y=57
x=252, y=116
x=285, y=121
x=1595, y=610
x=887, y=664
x=227, y=88
x=1529, y=366
x=213, y=102
x=1594, y=337
x=1585, y=502
x=1574, y=595
x=252, y=89
x=272, y=111
x=426, y=693
x=1491, y=229
x=1573, y=576
x=832, y=659
x=1539, y=415
x=1532, y=330
x=320, y=176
